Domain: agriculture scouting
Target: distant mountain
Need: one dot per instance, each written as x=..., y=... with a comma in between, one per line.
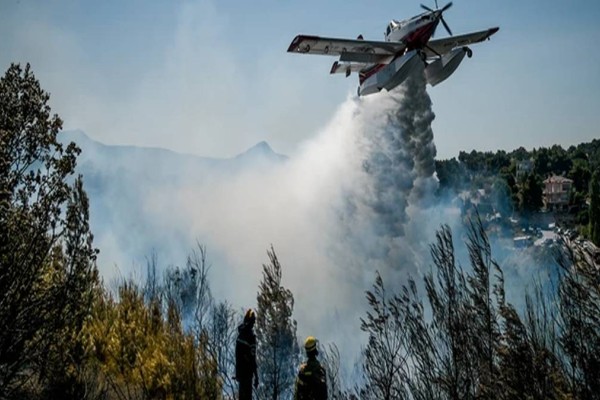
x=165, y=162
x=262, y=151
x=125, y=184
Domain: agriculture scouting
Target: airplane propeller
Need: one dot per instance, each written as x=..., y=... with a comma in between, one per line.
x=447, y=6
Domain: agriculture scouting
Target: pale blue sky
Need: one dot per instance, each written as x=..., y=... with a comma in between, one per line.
x=213, y=77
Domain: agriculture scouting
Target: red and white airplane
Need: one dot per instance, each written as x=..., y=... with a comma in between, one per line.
x=406, y=48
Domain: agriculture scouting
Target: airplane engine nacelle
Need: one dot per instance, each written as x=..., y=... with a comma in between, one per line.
x=439, y=70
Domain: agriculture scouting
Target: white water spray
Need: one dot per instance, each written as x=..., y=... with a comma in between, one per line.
x=394, y=135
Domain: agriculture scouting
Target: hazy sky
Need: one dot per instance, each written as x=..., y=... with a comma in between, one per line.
x=213, y=77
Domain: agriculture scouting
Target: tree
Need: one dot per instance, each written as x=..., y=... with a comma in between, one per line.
x=278, y=352
x=502, y=197
x=594, y=212
x=187, y=291
x=385, y=355
x=330, y=359
x=559, y=159
x=452, y=329
x=142, y=350
x=580, y=174
x=451, y=175
x=486, y=296
x=455, y=354
x=64, y=370
x=223, y=334
x=579, y=320
x=542, y=165
x=530, y=194
x=47, y=261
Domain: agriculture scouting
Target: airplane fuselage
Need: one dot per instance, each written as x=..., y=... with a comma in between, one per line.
x=408, y=49
x=414, y=32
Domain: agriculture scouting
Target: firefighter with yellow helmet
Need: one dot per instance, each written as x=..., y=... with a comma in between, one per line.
x=311, y=382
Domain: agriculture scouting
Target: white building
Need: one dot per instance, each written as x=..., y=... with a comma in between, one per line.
x=557, y=190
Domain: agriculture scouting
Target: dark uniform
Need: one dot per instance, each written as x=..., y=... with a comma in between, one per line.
x=245, y=357
x=311, y=383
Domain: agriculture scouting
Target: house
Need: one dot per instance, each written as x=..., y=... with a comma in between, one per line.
x=557, y=190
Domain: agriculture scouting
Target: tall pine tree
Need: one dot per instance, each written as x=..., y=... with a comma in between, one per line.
x=278, y=351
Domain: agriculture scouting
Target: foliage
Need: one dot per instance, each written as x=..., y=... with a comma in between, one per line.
x=213, y=325
x=594, y=212
x=475, y=345
x=580, y=174
x=579, y=319
x=476, y=170
x=278, y=352
x=47, y=261
x=385, y=364
x=530, y=194
x=330, y=360
x=144, y=353
x=451, y=175
x=502, y=197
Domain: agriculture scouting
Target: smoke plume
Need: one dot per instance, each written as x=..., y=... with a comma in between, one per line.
x=350, y=202
x=336, y=212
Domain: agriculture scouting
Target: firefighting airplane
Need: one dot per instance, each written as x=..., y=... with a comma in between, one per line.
x=406, y=48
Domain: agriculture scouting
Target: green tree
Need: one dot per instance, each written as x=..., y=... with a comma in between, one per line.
x=47, y=262
x=385, y=355
x=530, y=194
x=64, y=371
x=578, y=316
x=143, y=352
x=502, y=197
x=451, y=175
x=594, y=212
x=580, y=174
x=542, y=164
x=560, y=163
x=515, y=357
x=520, y=154
x=278, y=352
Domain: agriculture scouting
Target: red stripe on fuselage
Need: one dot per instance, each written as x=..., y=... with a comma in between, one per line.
x=364, y=74
x=419, y=38
x=415, y=40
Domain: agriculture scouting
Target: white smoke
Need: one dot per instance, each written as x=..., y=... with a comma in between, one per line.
x=340, y=209
x=355, y=199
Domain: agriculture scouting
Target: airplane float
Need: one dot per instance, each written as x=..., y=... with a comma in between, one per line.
x=407, y=46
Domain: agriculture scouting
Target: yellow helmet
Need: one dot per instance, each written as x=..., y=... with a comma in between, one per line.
x=310, y=344
x=250, y=315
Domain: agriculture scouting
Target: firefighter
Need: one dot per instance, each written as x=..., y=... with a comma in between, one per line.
x=311, y=383
x=245, y=356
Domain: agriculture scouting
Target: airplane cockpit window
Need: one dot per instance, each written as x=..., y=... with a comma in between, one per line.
x=389, y=29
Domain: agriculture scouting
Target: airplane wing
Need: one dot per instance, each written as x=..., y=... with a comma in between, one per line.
x=442, y=46
x=353, y=50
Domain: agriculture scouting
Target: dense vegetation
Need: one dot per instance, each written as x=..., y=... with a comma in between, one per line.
x=65, y=335
x=519, y=189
